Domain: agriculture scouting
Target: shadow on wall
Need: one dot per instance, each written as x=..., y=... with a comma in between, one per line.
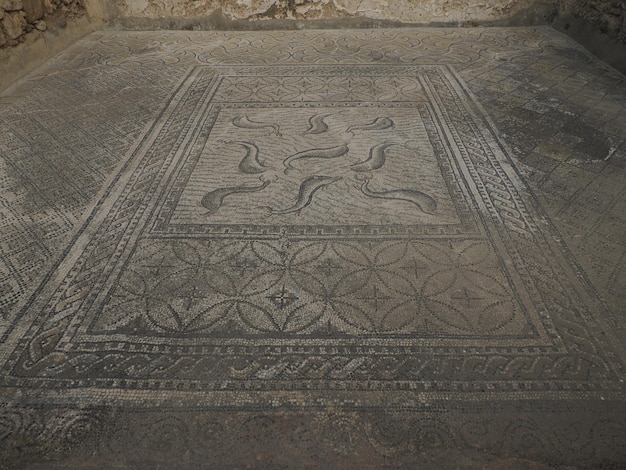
x=452, y=12
x=599, y=25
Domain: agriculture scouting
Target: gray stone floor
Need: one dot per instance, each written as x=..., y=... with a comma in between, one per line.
x=344, y=249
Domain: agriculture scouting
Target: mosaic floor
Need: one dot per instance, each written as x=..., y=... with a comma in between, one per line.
x=355, y=249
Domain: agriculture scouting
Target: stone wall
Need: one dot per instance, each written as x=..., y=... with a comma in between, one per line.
x=18, y=18
x=607, y=16
x=34, y=30
x=404, y=11
x=599, y=25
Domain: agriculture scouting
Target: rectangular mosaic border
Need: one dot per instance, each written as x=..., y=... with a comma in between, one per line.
x=581, y=368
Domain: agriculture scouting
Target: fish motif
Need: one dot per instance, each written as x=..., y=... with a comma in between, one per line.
x=377, y=124
x=317, y=124
x=246, y=123
x=376, y=159
x=250, y=164
x=305, y=195
x=422, y=200
x=213, y=200
x=331, y=152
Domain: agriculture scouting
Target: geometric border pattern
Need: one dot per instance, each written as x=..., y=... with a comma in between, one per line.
x=572, y=359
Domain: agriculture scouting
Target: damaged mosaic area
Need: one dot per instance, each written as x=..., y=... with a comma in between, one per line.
x=305, y=232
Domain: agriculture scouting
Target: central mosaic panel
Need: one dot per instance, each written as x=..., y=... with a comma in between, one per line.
x=317, y=166
x=321, y=153
x=324, y=222
x=316, y=157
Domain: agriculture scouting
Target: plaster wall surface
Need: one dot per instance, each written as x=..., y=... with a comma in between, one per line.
x=407, y=11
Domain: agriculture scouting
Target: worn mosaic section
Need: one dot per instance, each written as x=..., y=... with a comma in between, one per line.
x=159, y=277
x=571, y=435
x=117, y=70
x=565, y=119
x=152, y=282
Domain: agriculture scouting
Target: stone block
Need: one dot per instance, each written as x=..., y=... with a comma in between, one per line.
x=11, y=5
x=49, y=6
x=613, y=24
x=14, y=24
x=34, y=10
